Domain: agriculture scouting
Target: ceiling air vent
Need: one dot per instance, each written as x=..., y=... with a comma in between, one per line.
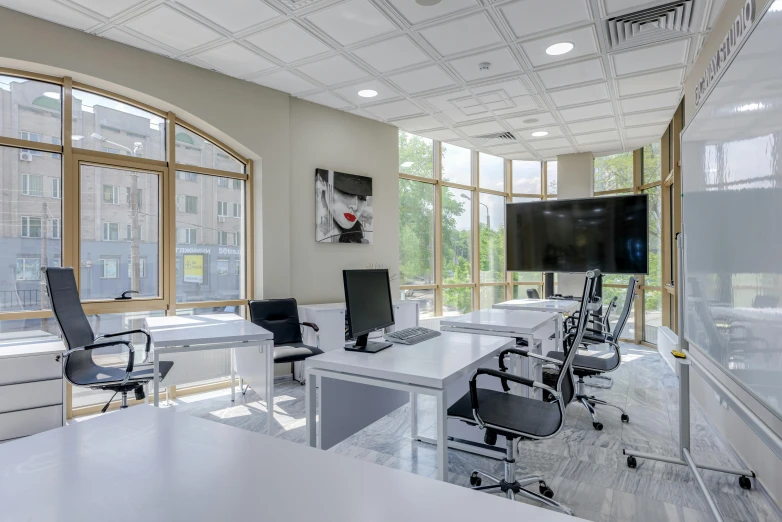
x=650, y=25
x=496, y=138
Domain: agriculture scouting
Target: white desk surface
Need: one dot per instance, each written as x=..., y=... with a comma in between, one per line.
x=29, y=342
x=540, y=305
x=341, y=306
x=188, y=330
x=500, y=320
x=434, y=363
x=157, y=465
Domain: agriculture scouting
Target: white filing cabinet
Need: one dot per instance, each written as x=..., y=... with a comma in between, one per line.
x=31, y=384
x=330, y=318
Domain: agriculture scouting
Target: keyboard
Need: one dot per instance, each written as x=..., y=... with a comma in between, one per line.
x=411, y=335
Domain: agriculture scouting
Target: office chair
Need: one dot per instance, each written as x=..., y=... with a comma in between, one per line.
x=80, y=367
x=281, y=317
x=593, y=365
x=532, y=293
x=521, y=418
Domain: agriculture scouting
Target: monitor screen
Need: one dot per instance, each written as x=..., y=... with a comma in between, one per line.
x=368, y=300
x=606, y=233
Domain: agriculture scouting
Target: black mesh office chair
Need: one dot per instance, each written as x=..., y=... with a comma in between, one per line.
x=515, y=417
x=80, y=367
x=532, y=293
x=281, y=317
x=598, y=364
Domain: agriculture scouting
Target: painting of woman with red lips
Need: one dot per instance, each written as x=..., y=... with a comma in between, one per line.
x=343, y=207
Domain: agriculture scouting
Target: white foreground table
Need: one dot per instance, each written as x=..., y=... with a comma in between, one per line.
x=191, y=333
x=562, y=307
x=427, y=368
x=201, y=471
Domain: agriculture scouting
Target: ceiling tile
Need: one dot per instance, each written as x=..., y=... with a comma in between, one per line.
x=288, y=43
x=549, y=144
x=551, y=155
x=397, y=109
x=616, y=6
x=327, y=99
x=234, y=60
x=645, y=118
x=584, y=40
x=579, y=95
x=553, y=132
x=121, y=36
x=363, y=114
x=529, y=17
x=384, y=92
x=587, y=112
x=639, y=132
x=418, y=124
x=458, y=115
x=462, y=35
x=444, y=102
x=508, y=149
x=460, y=143
x=52, y=11
x=501, y=60
x=510, y=87
x=479, y=129
x=597, y=137
x=285, y=81
x=649, y=102
x=525, y=157
x=172, y=28
x=607, y=148
x=571, y=74
x=531, y=121
x=331, y=71
x=651, y=57
x=592, y=125
x=420, y=80
x=107, y=9
x=415, y=13
x=391, y=54
x=233, y=15
x=352, y=21
x=670, y=79
x=442, y=135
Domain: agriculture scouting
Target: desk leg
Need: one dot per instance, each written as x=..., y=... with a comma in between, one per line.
x=558, y=325
x=233, y=374
x=310, y=398
x=413, y=415
x=442, y=441
x=156, y=379
x=269, y=350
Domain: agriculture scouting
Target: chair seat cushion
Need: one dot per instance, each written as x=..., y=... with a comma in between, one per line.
x=293, y=352
x=520, y=414
x=599, y=362
x=107, y=377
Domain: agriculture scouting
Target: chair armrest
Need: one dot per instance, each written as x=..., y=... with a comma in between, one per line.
x=312, y=325
x=523, y=353
x=106, y=344
x=503, y=376
x=148, y=343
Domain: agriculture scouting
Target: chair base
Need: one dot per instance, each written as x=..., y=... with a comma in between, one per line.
x=512, y=486
x=590, y=401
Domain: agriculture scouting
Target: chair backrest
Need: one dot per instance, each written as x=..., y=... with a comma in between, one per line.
x=532, y=293
x=609, y=310
x=66, y=307
x=626, y=307
x=279, y=316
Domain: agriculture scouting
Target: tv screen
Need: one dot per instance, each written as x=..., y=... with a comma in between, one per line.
x=607, y=233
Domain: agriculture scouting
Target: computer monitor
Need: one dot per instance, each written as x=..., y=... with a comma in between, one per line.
x=368, y=303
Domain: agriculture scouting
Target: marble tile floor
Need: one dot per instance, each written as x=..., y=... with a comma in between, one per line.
x=584, y=467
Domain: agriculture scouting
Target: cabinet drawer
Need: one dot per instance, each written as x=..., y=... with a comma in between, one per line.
x=14, y=370
x=28, y=395
x=29, y=422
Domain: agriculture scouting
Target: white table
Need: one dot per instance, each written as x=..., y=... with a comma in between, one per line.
x=201, y=471
x=427, y=368
x=191, y=333
x=562, y=307
x=517, y=324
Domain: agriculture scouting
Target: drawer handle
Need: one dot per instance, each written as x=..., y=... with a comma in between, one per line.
x=57, y=358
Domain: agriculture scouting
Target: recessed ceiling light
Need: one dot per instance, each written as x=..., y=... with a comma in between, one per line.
x=52, y=95
x=427, y=3
x=539, y=134
x=559, y=48
x=367, y=93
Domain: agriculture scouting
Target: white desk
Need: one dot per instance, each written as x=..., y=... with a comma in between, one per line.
x=201, y=471
x=516, y=324
x=562, y=306
x=190, y=333
x=428, y=368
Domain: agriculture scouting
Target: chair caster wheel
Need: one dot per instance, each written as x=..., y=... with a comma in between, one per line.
x=631, y=462
x=475, y=480
x=598, y=426
x=625, y=417
x=745, y=483
x=545, y=490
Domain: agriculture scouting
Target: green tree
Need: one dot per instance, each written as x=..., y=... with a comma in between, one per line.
x=614, y=172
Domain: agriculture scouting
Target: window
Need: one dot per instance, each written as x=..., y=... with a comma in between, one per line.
x=32, y=185
x=31, y=136
x=416, y=233
x=456, y=164
x=142, y=268
x=109, y=267
x=222, y=182
x=526, y=176
x=457, y=236
x=222, y=266
x=56, y=230
x=188, y=204
x=551, y=178
x=193, y=149
x=110, y=231
x=28, y=268
x=222, y=238
x=222, y=208
x=188, y=176
x=491, y=223
x=56, y=187
x=111, y=194
x=35, y=106
x=129, y=232
x=416, y=155
x=236, y=210
x=186, y=236
x=31, y=226
x=138, y=197
x=652, y=164
x=491, y=172
x=614, y=172
x=238, y=184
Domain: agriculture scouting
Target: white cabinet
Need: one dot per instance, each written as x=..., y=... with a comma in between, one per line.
x=31, y=384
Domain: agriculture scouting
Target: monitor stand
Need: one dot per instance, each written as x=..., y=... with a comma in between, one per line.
x=366, y=346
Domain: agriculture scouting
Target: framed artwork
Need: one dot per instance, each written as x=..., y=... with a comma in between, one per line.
x=343, y=207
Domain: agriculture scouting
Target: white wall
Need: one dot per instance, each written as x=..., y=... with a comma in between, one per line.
x=255, y=121
x=575, y=180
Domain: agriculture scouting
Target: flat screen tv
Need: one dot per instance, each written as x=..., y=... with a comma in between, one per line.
x=607, y=233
